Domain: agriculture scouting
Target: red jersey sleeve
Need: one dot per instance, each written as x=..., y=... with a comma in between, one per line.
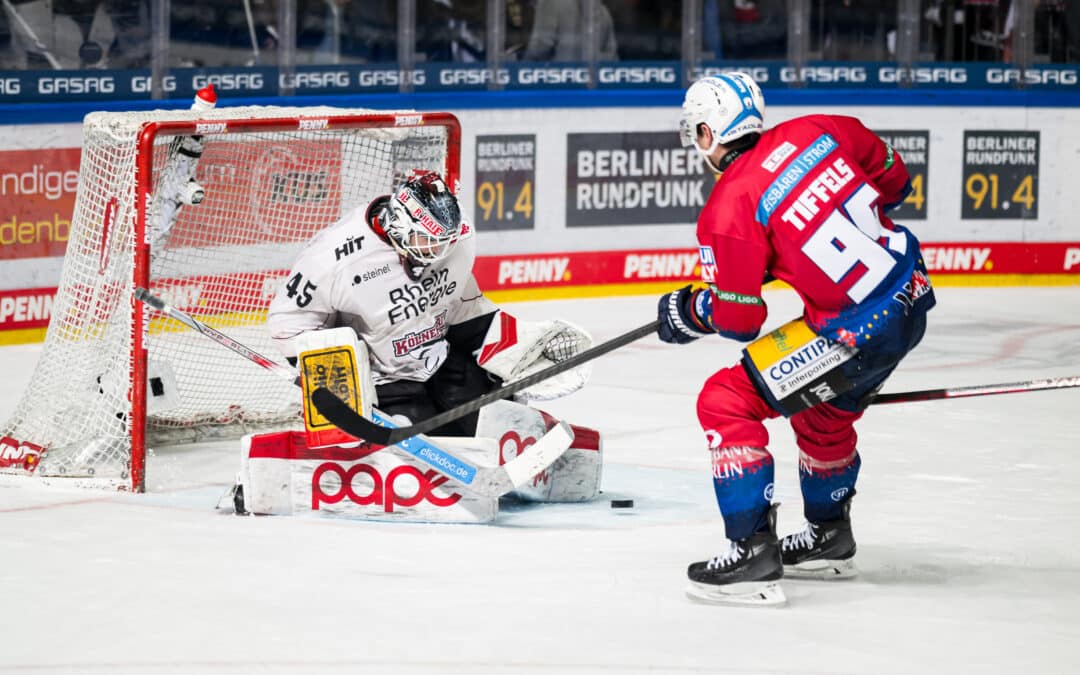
x=882, y=164
x=742, y=256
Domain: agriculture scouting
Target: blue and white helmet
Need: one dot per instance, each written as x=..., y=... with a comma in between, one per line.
x=731, y=105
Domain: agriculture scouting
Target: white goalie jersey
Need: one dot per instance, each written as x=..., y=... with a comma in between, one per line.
x=348, y=276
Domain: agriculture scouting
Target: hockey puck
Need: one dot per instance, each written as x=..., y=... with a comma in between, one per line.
x=622, y=503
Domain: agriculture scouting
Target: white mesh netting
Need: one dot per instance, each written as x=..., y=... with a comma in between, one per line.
x=266, y=194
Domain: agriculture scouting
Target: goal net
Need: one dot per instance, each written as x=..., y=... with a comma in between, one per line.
x=115, y=376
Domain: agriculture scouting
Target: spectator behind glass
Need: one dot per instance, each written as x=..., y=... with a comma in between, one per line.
x=745, y=29
x=558, y=32
x=977, y=29
x=855, y=30
x=69, y=34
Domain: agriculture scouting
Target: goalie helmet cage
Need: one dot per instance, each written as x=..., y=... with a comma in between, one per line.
x=115, y=376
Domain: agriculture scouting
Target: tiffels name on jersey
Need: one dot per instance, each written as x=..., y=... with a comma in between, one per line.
x=659, y=266
x=540, y=270
x=411, y=341
x=821, y=190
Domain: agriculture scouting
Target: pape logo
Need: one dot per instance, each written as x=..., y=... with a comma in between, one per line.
x=19, y=454
x=382, y=491
x=511, y=445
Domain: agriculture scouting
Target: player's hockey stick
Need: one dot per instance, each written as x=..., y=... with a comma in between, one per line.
x=977, y=390
x=490, y=481
x=333, y=409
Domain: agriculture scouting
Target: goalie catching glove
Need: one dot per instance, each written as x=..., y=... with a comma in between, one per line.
x=514, y=349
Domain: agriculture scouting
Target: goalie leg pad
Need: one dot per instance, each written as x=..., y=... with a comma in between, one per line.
x=574, y=477
x=282, y=475
x=336, y=359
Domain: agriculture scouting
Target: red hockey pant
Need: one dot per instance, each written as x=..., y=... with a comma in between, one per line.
x=731, y=412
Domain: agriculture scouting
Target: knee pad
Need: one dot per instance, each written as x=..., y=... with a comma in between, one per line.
x=574, y=477
x=827, y=486
x=825, y=433
x=731, y=410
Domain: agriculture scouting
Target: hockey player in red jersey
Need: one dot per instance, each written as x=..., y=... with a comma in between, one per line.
x=804, y=202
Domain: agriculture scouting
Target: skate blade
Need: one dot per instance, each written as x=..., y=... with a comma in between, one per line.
x=822, y=569
x=746, y=594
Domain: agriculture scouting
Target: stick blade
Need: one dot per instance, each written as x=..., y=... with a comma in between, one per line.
x=345, y=418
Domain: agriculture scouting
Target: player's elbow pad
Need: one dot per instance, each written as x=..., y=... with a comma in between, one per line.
x=737, y=316
x=904, y=192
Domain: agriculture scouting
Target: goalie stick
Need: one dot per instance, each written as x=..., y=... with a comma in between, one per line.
x=489, y=481
x=977, y=390
x=344, y=417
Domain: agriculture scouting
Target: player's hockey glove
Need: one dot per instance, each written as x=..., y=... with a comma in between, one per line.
x=683, y=315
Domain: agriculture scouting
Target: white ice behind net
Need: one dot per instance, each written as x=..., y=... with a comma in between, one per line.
x=266, y=194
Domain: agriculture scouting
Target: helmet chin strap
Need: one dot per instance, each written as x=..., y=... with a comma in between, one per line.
x=725, y=161
x=707, y=154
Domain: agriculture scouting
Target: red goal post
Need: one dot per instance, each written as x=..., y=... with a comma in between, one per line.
x=115, y=378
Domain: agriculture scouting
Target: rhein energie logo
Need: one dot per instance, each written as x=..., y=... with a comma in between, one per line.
x=412, y=300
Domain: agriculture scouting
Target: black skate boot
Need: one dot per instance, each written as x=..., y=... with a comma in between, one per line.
x=746, y=574
x=822, y=550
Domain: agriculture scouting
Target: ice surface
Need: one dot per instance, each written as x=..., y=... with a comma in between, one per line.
x=967, y=520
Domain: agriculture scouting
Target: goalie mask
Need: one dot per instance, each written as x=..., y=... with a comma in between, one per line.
x=730, y=105
x=422, y=221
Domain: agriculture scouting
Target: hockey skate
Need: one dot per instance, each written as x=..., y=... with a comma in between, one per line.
x=746, y=574
x=821, y=550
